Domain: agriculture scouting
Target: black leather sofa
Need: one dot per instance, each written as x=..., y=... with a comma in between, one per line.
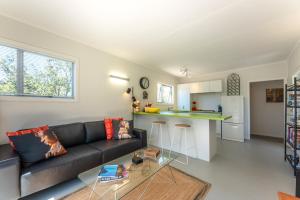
x=87, y=148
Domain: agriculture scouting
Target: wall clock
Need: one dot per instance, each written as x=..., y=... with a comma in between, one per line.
x=144, y=83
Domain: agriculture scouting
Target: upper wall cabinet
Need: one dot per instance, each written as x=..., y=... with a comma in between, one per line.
x=215, y=86
x=201, y=87
x=184, y=91
x=206, y=86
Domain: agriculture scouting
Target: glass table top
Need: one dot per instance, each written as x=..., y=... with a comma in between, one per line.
x=137, y=174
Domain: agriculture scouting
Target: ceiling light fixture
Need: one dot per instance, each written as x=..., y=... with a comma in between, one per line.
x=185, y=72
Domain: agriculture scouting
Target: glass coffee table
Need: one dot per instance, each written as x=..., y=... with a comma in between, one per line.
x=137, y=174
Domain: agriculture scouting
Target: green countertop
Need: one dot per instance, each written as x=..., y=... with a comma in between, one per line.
x=208, y=116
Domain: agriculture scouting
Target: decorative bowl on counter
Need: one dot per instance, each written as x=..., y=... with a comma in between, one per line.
x=152, y=110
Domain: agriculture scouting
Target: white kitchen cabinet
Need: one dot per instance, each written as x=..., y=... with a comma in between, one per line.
x=215, y=86
x=194, y=87
x=184, y=91
x=218, y=128
x=199, y=87
x=206, y=86
x=183, y=97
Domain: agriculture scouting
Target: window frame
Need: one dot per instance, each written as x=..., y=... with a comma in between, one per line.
x=20, y=74
x=173, y=94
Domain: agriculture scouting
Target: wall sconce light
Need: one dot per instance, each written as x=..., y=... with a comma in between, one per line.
x=133, y=99
x=128, y=90
x=119, y=77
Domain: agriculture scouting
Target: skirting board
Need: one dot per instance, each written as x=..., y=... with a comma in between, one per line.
x=270, y=138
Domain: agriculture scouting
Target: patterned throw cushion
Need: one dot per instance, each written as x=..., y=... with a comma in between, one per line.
x=109, y=127
x=35, y=144
x=121, y=129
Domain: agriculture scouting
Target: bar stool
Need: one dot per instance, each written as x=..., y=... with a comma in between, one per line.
x=184, y=128
x=159, y=124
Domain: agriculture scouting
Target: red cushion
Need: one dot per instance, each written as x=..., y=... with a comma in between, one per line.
x=109, y=127
x=26, y=131
x=284, y=196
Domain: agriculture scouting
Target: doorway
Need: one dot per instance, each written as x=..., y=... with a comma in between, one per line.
x=267, y=110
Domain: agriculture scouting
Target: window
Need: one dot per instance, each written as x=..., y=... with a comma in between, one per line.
x=24, y=73
x=8, y=70
x=165, y=93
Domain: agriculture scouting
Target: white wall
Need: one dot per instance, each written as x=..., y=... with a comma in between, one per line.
x=267, y=118
x=97, y=95
x=294, y=62
x=271, y=71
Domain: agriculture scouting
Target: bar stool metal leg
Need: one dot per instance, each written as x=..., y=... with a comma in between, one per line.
x=186, y=149
x=161, y=143
x=183, y=133
x=171, y=147
x=150, y=135
x=169, y=135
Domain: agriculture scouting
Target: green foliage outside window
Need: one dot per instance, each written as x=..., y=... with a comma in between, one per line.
x=38, y=75
x=8, y=70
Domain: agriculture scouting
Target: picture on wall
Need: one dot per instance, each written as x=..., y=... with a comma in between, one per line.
x=274, y=95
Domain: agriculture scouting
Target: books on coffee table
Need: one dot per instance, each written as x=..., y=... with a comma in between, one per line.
x=110, y=173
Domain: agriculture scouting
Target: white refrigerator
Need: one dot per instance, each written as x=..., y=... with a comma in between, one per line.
x=233, y=128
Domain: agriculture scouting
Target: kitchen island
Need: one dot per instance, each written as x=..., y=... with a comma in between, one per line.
x=201, y=136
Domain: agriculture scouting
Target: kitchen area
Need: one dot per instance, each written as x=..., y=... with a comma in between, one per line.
x=209, y=97
x=205, y=112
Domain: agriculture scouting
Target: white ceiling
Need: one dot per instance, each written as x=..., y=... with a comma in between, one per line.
x=204, y=35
